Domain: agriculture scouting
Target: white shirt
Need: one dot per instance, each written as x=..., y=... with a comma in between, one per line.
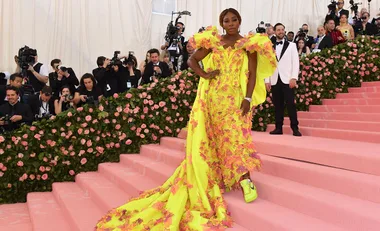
x=44, y=109
x=44, y=71
x=319, y=41
x=279, y=48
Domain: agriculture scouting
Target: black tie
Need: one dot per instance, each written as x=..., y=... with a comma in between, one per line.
x=279, y=43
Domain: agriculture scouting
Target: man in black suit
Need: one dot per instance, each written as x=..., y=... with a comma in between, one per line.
x=13, y=113
x=338, y=12
x=15, y=80
x=364, y=27
x=42, y=105
x=323, y=41
x=155, y=69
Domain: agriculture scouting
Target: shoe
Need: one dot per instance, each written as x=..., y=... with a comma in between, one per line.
x=249, y=189
x=296, y=132
x=276, y=131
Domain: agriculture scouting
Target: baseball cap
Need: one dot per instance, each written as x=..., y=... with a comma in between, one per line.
x=47, y=90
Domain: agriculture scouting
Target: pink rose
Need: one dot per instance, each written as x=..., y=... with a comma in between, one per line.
x=101, y=108
x=33, y=155
x=80, y=131
x=20, y=163
x=20, y=155
x=117, y=145
x=118, y=126
x=90, y=110
x=162, y=104
x=68, y=124
x=86, y=132
x=1, y=165
x=69, y=114
x=71, y=172
x=42, y=169
x=32, y=128
x=44, y=176
x=25, y=136
x=90, y=150
x=89, y=143
x=88, y=118
x=83, y=161
x=128, y=95
x=32, y=177
x=80, y=109
x=37, y=136
x=128, y=142
x=142, y=136
x=116, y=95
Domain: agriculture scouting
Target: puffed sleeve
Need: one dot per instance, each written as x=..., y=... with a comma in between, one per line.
x=266, y=64
x=206, y=39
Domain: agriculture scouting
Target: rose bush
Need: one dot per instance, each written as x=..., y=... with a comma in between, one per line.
x=32, y=158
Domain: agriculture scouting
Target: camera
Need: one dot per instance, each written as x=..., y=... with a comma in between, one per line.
x=92, y=100
x=115, y=59
x=43, y=116
x=68, y=97
x=303, y=34
x=26, y=57
x=6, y=119
x=354, y=7
x=332, y=6
x=130, y=60
x=262, y=27
x=154, y=71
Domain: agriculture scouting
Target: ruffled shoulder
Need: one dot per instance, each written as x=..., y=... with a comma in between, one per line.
x=261, y=44
x=207, y=39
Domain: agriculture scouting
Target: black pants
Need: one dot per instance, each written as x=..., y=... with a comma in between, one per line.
x=282, y=93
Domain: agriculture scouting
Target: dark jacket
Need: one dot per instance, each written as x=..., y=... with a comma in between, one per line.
x=3, y=94
x=148, y=72
x=35, y=104
x=57, y=85
x=17, y=109
x=326, y=42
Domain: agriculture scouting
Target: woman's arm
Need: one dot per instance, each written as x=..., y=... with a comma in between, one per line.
x=307, y=51
x=193, y=63
x=76, y=98
x=352, y=33
x=252, y=67
x=57, y=106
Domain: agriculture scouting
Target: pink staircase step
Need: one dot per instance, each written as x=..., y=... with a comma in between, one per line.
x=346, y=108
x=341, y=210
x=371, y=84
x=45, y=212
x=237, y=227
x=132, y=182
x=355, y=156
x=338, y=124
x=106, y=194
x=365, y=95
x=173, y=143
x=353, y=102
x=15, y=217
x=160, y=153
x=157, y=171
x=266, y=216
x=370, y=117
x=354, y=184
x=364, y=89
x=363, y=136
x=80, y=210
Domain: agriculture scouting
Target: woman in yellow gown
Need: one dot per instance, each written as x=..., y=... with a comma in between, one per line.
x=219, y=150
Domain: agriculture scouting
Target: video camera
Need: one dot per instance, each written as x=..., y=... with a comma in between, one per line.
x=131, y=59
x=354, y=7
x=69, y=97
x=43, y=116
x=26, y=57
x=262, y=27
x=332, y=6
x=172, y=29
x=115, y=59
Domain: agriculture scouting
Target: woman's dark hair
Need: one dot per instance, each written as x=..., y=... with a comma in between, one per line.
x=88, y=76
x=185, y=57
x=146, y=60
x=225, y=12
x=304, y=48
x=65, y=86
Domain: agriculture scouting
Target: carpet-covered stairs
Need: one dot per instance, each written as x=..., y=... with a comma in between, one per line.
x=318, y=182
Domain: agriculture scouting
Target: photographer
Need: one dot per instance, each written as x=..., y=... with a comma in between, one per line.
x=62, y=76
x=180, y=28
x=133, y=76
x=15, y=81
x=335, y=11
x=13, y=113
x=65, y=101
x=87, y=92
x=335, y=34
x=36, y=73
x=155, y=69
x=102, y=73
x=42, y=104
x=363, y=27
x=303, y=34
x=175, y=43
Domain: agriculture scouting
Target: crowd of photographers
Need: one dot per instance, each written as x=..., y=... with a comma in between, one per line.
x=340, y=26
x=32, y=93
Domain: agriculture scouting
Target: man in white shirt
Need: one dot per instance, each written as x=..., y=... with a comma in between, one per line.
x=283, y=81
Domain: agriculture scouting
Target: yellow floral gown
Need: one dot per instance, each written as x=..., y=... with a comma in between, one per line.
x=219, y=146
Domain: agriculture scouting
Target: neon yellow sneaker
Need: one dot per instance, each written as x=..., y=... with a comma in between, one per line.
x=250, y=193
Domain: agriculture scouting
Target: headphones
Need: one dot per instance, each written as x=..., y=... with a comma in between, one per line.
x=183, y=26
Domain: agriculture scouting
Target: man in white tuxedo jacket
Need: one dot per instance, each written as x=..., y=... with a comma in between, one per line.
x=283, y=81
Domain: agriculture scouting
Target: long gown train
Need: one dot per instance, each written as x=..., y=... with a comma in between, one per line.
x=219, y=148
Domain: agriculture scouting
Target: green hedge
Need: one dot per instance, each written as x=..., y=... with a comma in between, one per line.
x=32, y=158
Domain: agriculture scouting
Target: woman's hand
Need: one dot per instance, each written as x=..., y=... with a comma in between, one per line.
x=245, y=107
x=211, y=74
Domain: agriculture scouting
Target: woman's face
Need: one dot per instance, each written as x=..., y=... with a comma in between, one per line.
x=65, y=91
x=301, y=44
x=343, y=18
x=231, y=23
x=88, y=83
x=166, y=59
x=148, y=56
x=190, y=49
